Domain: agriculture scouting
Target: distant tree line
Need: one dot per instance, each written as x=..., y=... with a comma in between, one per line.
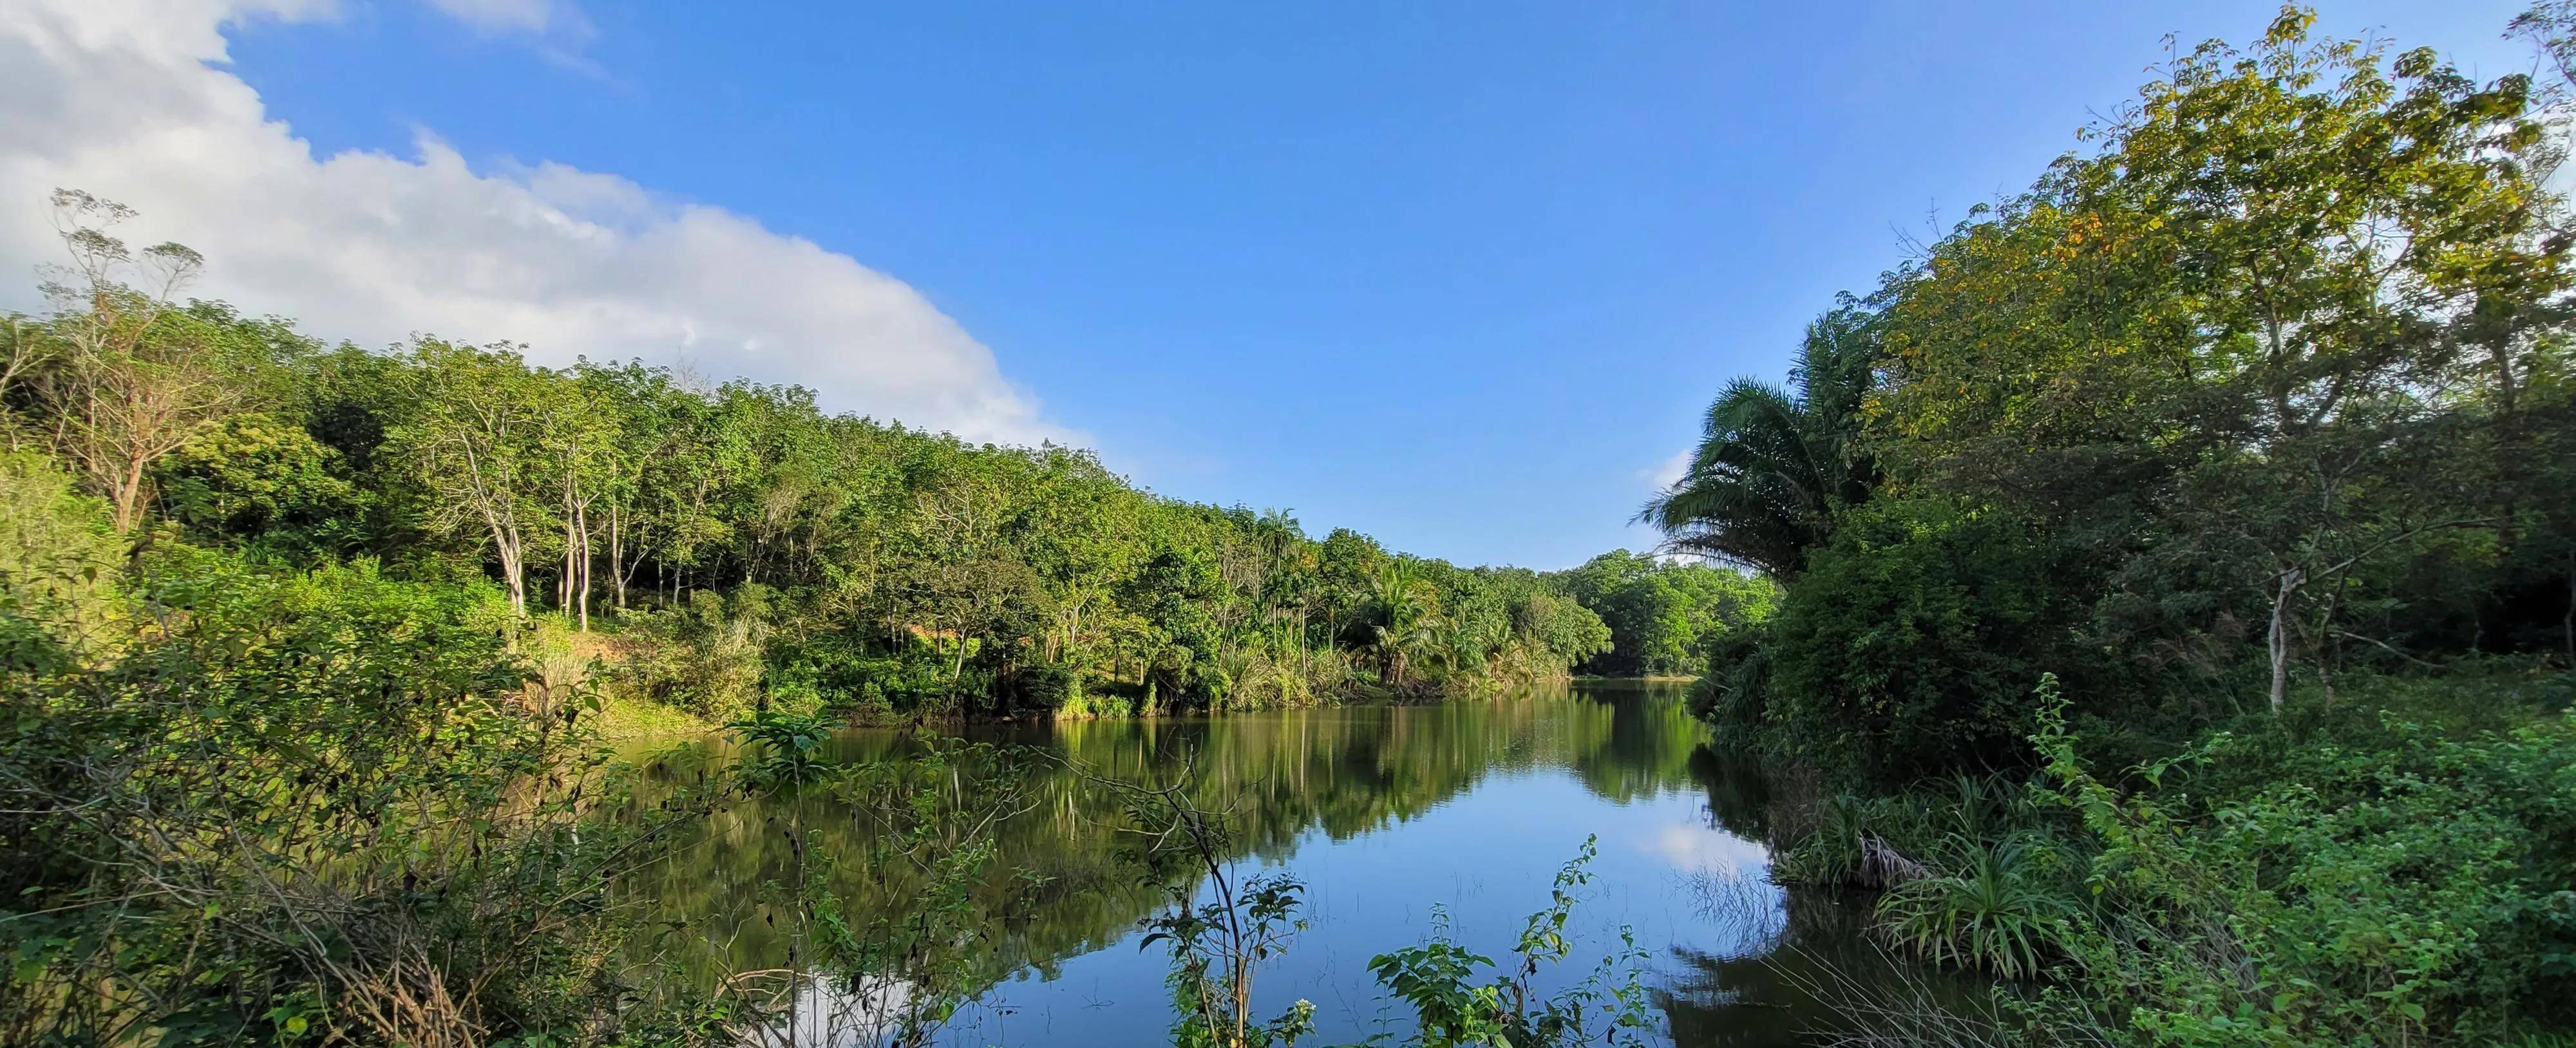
x=743, y=544
x=1664, y=614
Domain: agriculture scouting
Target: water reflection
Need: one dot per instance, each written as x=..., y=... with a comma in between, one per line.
x=833, y=1012
x=1383, y=812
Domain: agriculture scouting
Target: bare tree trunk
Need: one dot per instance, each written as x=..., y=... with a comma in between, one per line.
x=2278, y=638
x=957, y=670
x=586, y=559
x=129, y=494
x=505, y=544
x=514, y=571
x=617, y=555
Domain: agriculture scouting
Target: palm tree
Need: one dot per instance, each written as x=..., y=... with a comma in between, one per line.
x=1776, y=465
x=1468, y=644
x=1400, y=607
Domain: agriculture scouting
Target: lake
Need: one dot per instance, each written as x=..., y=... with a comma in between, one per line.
x=1391, y=817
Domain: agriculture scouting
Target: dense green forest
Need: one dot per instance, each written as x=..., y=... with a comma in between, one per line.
x=2177, y=561
x=1663, y=613
x=739, y=545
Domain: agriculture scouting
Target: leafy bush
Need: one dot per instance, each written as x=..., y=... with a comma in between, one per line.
x=265, y=485
x=1905, y=649
x=2416, y=891
x=786, y=748
x=58, y=556
x=704, y=656
x=837, y=673
x=309, y=805
x=2353, y=879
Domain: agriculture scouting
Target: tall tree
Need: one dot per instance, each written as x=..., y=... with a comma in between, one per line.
x=475, y=437
x=1775, y=465
x=2248, y=324
x=135, y=378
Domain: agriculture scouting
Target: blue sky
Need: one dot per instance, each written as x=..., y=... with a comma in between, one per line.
x=1460, y=276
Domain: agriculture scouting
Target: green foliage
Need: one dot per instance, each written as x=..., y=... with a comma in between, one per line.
x=2253, y=420
x=1993, y=911
x=1453, y=1006
x=318, y=801
x=1663, y=617
x=1775, y=468
x=266, y=485
x=59, y=557
x=1901, y=652
x=786, y=749
x=2373, y=883
x=2175, y=420
x=704, y=656
x=2414, y=889
x=743, y=545
x=1216, y=947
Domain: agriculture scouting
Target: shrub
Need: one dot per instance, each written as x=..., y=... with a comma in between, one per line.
x=2414, y=890
x=1454, y=1008
x=786, y=749
x=704, y=656
x=1992, y=910
x=264, y=485
x=1908, y=646
x=314, y=805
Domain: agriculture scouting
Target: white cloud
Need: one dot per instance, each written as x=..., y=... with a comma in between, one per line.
x=127, y=99
x=512, y=16
x=556, y=30
x=1670, y=471
x=1700, y=850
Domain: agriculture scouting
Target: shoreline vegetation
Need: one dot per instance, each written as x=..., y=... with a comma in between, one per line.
x=2177, y=564
x=627, y=720
x=2158, y=597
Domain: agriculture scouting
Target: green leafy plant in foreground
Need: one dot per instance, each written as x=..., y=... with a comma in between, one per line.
x=1990, y=913
x=1453, y=1008
x=1220, y=930
x=1216, y=948
x=787, y=747
x=2408, y=891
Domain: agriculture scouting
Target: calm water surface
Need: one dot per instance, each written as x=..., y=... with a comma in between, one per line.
x=1388, y=815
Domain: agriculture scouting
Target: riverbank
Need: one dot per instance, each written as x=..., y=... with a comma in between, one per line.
x=2389, y=864
x=624, y=718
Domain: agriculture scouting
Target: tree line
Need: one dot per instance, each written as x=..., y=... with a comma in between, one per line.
x=744, y=544
x=1664, y=613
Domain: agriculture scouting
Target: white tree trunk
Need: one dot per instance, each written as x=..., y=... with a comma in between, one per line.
x=2278, y=638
